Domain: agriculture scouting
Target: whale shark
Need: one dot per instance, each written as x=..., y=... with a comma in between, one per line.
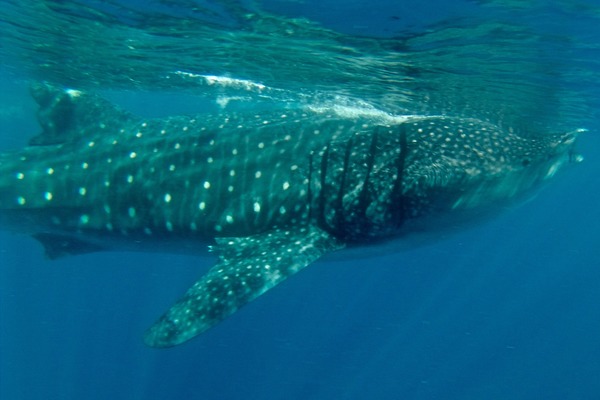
x=268, y=193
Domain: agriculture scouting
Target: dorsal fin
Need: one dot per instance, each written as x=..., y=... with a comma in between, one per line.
x=68, y=115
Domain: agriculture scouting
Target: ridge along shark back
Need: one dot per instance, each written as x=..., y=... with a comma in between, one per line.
x=268, y=194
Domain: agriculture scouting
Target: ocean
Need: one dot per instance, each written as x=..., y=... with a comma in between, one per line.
x=508, y=309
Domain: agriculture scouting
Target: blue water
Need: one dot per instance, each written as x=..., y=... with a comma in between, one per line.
x=506, y=310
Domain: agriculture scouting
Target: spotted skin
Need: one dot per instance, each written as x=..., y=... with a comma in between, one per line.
x=270, y=193
x=244, y=271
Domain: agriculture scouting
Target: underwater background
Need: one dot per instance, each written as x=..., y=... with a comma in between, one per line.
x=509, y=309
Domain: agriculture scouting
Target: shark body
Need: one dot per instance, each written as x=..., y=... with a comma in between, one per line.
x=268, y=193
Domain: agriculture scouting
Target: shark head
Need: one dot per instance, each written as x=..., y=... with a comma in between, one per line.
x=429, y=171
x=550, y=154
x=473, y=167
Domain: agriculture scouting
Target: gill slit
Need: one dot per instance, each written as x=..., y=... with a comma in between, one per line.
x=363, y=199
x=397, y=197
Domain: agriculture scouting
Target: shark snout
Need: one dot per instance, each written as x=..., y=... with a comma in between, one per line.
x=570, y=140
x=564, y=146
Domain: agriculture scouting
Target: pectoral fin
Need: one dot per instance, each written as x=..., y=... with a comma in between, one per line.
x=247, y=267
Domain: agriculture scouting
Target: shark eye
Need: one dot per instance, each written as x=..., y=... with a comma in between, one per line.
x=526, y=162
